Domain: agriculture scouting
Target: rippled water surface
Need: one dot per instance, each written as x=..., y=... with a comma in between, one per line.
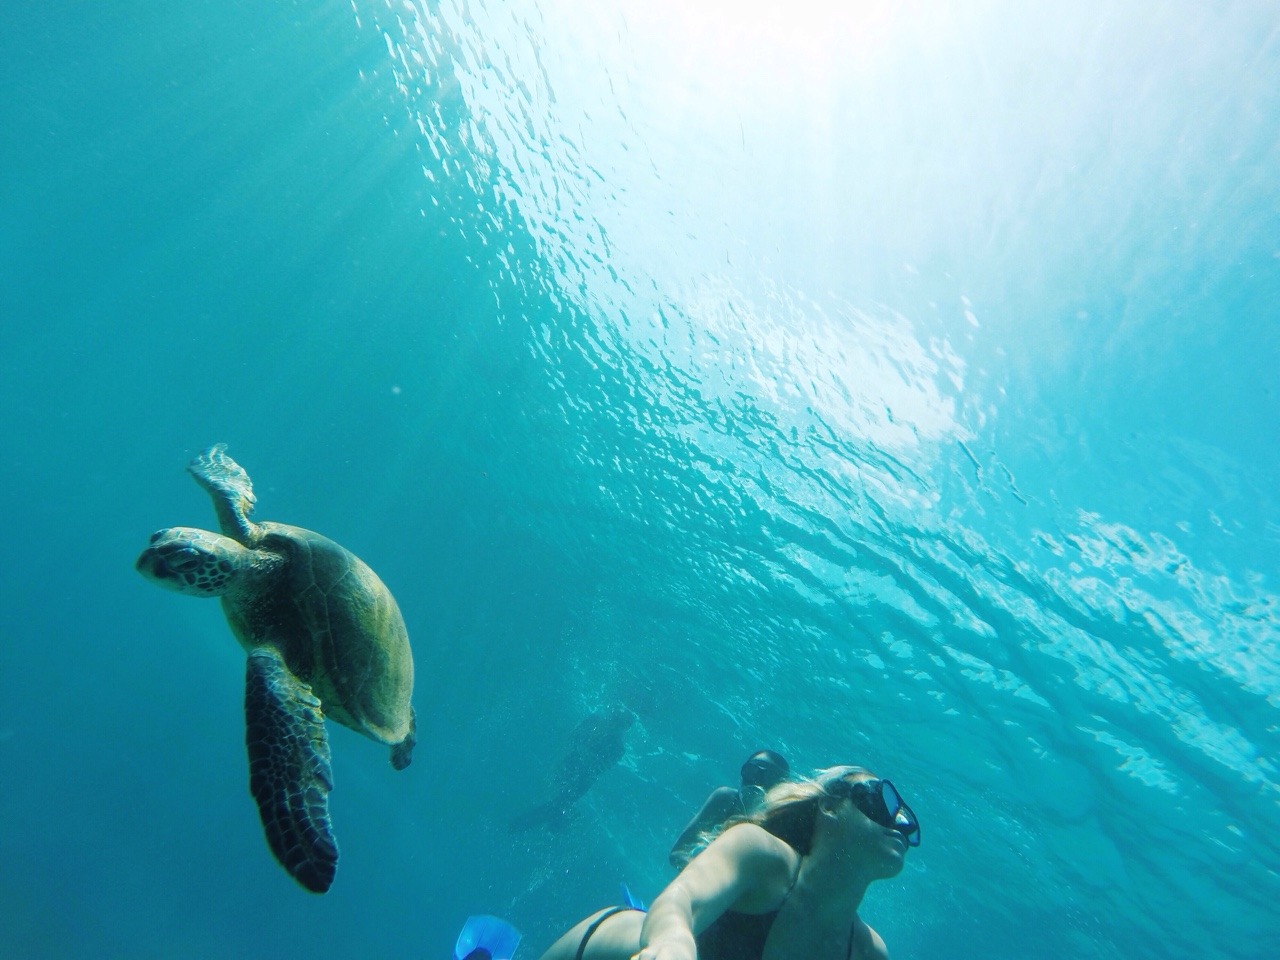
x=884, y=383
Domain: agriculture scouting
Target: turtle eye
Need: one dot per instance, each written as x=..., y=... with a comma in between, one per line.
x=156, y=536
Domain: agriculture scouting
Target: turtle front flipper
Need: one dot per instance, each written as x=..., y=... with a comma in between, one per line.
x=289, y=771
x=229, y=486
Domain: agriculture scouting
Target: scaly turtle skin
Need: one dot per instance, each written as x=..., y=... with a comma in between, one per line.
x=324, y=638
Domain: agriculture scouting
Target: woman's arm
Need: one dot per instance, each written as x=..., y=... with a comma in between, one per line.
x=744, y=866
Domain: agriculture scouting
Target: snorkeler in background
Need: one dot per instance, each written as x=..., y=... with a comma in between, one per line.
x=787, y=881
x=762, y=771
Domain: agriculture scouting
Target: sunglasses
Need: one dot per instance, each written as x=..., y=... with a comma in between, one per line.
x=879, y=800
x=760, y=772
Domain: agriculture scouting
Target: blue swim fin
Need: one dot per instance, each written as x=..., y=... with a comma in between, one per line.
x=631, y=900
x=486, y=938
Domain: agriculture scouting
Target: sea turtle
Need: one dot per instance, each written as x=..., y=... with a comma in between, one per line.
x=324, y=638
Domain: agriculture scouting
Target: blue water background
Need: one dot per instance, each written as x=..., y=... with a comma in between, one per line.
x=894, y=386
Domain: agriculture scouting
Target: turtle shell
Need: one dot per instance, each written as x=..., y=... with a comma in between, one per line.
x=337, y=627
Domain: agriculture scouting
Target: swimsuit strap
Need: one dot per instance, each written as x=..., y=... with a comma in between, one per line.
x=582, y=947
x=848, y=954
x=794, y=880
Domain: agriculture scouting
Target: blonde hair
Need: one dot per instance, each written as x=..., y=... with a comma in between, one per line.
x=790, y=810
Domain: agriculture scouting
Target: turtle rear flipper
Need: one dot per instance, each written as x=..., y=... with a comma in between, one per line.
x=402, y=752
x=229, y=486
x=289, y=770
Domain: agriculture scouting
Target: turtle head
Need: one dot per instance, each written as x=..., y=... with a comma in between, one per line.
x=195, y=562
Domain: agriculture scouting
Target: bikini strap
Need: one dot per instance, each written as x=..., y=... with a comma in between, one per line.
x=582, y=947
x=795, y=878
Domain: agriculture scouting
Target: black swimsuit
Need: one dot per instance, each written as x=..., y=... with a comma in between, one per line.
x=742, y=936
x=731, y=936
x=736, y=936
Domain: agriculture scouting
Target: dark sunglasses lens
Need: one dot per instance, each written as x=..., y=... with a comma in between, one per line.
x=901, y=817
x=879, y=800
x=889, y=797
x=760, y=772
x=868, y=796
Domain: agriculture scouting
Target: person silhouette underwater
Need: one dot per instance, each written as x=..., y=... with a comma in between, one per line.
x=760, y=773
x=596, y=744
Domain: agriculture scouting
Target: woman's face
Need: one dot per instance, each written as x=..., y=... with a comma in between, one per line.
x=882, y=849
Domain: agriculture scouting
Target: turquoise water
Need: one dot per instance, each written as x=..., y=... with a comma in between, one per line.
x=885, y=386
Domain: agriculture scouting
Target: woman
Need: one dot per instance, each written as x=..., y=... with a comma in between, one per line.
x=783, y=883
x=761, y=772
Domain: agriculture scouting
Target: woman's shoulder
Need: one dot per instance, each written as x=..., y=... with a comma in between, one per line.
x=754, y=846
x=762, y=866
x=749, y=834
